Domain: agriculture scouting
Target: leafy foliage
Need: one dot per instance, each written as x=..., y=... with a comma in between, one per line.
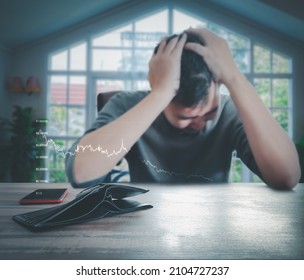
x=21, y=152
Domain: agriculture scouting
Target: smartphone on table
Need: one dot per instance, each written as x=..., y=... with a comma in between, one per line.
x=44, y=196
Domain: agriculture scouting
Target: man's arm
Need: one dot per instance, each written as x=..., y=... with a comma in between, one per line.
x=164, y=76
x=274, y=152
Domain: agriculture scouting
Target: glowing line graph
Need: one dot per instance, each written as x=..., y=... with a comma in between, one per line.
x=173, y=173
x=101, y=150
x=80, y=148
x=90, y=148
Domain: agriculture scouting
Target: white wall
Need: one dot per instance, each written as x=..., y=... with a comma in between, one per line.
x=32, y=60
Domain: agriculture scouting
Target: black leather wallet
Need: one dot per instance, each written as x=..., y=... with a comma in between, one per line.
x=93, y=203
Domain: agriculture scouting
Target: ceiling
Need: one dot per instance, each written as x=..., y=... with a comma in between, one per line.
x=27, y=20
x=22, y=22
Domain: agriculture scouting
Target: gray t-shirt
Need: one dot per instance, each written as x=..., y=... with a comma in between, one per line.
x=166, y=154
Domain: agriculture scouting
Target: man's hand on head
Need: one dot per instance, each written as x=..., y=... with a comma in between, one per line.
x=164, y=66
x=216, y=53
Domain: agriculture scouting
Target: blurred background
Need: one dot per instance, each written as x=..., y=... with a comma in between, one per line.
x=56, y=56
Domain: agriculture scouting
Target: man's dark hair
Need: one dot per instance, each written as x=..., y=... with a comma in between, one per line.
x=195, y=77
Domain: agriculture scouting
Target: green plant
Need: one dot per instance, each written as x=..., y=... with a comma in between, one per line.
x=4, y=152
x=21, y=161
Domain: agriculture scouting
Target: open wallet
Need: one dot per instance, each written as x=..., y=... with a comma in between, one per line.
x=93, y=203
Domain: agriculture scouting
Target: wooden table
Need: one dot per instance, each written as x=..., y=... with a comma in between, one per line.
x=237, y=221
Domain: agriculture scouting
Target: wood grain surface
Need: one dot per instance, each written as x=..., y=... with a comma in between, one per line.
x=233, y=221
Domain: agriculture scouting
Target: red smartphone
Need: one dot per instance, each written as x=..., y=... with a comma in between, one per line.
x=44, y=196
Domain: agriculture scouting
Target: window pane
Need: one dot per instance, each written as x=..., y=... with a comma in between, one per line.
x=110, y=85
x=280, y=92
x=112, y=60
x=58, y=89
x=142, y=59
x=242, y=59
x=282, y=117
x=182, y=21
x=157, y=22
x=218, y=30
x=236, y=170
x=256, y=179
x=262, y=87
x=113, y=39
x=147, y=39
x=78, y=57
x=261, y=59
x=280, y=64
x=56, y=154
x=76, y=121
x=141, y=85
x=77, y=90
x=59, y=61
x=123, y=85
x=240, y=48
x=237, y=41
x=57, y=123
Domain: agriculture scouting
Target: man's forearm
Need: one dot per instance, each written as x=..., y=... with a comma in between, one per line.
x=116, y=138
x=273, y=151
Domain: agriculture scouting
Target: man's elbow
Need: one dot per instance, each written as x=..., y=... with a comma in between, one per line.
x=286, y=180
x=84, y=172
x=287, y=183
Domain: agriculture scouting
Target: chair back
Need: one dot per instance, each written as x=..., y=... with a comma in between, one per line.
x=103, y=97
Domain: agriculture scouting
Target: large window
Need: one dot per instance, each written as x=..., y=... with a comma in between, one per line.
x=118, y=60
x=67, y=105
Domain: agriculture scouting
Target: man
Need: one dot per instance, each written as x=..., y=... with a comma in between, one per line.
x=183, y=130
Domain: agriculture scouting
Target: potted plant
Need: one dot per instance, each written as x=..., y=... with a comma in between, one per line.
x=21, y=150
